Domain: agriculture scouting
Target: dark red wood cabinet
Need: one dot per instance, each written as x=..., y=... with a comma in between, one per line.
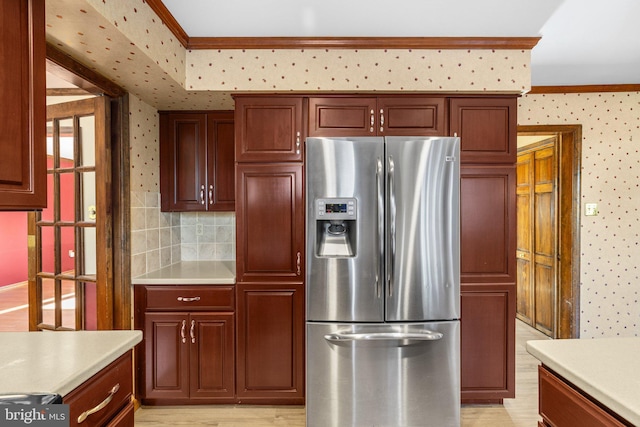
x=197, y=161
x=270, y=343
x=270, y=222
x=377, y=116
x=487, y=130
x=561, y=404
x=269, y=129
x=23, y=174
x=487, y=127
x=188, y=346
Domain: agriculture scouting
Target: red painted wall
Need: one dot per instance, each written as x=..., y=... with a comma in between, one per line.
x=13, y=247
x=13, y=235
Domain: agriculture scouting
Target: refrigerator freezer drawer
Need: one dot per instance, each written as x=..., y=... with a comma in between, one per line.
x=384, y=375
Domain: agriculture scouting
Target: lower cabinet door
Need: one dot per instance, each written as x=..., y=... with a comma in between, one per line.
x=487, y=342
x=167, y=356
x=212, y=363
x=270, y=368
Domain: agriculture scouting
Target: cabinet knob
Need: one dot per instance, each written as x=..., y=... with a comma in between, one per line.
x=381, y=120
x=182, y=331
x=298, y=266
x=297, y=142
x=210, y=194
x=192, y=332
x=202, y=194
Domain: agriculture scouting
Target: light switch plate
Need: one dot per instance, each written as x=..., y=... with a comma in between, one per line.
x=591, y=209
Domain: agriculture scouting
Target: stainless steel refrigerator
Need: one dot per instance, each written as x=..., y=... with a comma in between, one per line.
x=383, y=282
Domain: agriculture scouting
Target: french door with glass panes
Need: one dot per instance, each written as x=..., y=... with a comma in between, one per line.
x=70, y=245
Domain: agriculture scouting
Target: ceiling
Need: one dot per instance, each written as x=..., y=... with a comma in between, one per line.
x=584, y=42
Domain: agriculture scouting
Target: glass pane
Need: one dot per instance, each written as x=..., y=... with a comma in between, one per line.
x=66, y=143
x=68, y=305
x=48, y=250
x=48, y=302
x=88, y=267
x=67, y=196
x=88, y=191
x=68, y=251
x=87, y=141
x=90, y=307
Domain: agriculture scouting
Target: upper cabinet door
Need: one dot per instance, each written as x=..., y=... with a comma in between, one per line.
x=221, y=162
x=269, y=129
x=183, y=176
x=487, y=128
x=342, y=116
x=411, y=116
x=23, y=183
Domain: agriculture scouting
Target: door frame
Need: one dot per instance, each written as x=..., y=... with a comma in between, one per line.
x=569, y=150
x=118, y=305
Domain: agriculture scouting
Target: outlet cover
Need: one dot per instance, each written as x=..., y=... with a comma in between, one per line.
x=199, y=229
x=591, y=209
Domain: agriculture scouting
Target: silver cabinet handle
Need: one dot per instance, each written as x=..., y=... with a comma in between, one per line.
x=192, y=332
x=381, y=120
x=297, y=142
x=373, y=120
x=188, y=299
x=392, y=226
x=182, y=335
x=210, y=194
x=380, y=239
x=298, y=266
x=101, y=406
x=202, y=194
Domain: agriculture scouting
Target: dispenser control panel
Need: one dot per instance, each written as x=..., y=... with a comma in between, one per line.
x=336, y=208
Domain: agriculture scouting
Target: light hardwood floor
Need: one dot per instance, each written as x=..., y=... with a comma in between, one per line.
x=518, y=412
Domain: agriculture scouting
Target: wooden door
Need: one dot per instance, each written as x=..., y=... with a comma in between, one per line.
x=167, y=355
x=220, y=162
x=524, y=207
x=270, y=222
x=183, y=150
x=411, y=116
x=269, y=129
x=544, y=232
x=270, y=368
x=23, y=175
x=343, y=116
x=537, y=238
x=212, y=361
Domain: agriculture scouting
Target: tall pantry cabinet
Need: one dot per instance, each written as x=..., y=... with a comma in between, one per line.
x=270, y=249
x=487, y=128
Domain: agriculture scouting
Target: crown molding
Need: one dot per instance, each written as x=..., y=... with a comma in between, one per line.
x=525, y=43
x=535, y=90
x=168, y=19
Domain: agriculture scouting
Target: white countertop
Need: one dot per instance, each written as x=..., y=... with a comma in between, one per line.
x=191, y=273
x=58, y=362
x=607, y=369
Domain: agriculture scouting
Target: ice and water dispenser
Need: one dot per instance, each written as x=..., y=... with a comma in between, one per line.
x=336, y=227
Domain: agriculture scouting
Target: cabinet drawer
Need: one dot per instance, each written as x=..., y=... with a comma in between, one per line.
x=561, y=405
x=111, y=387
x=189, y=298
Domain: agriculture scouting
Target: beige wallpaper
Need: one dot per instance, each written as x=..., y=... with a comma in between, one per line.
x=610, y=242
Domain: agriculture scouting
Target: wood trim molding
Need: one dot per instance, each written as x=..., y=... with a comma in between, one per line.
x=68, y=69
x=535, y=90
x=165, y=16
x=362, y=42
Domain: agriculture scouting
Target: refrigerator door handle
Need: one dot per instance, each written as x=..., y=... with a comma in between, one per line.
x=392, y=225
x=396, y=338
x=380, y=240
